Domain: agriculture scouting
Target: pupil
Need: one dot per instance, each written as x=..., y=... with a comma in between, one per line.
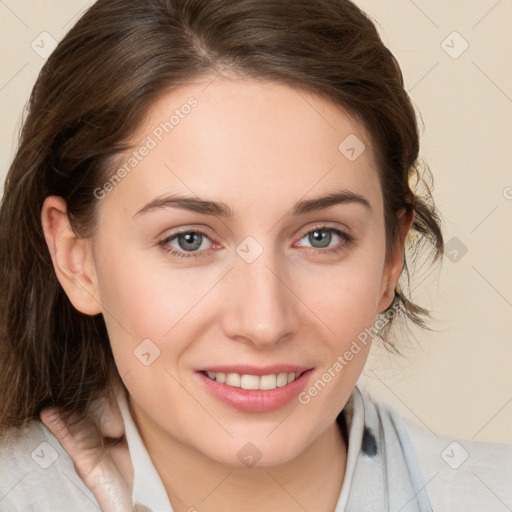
x=317, y=236
x=190, y=238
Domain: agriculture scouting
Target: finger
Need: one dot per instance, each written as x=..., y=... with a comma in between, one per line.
x=94, y=464
x=53, y=420
x=111, y=491
x=107, y=415
x=109, y=420
x=79, y=437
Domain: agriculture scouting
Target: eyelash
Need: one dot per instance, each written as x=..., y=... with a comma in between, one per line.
x=347, y=240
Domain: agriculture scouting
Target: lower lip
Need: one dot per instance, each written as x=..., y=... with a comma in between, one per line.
x=255, y=400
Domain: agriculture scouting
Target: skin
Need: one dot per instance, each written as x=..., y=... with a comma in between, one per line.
x=98, y=447
x=258, y=147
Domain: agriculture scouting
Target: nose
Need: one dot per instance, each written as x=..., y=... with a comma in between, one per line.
x=260, y=308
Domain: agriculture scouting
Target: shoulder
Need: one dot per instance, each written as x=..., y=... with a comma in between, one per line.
x=459, y=474
x=465, y=472
x=37, y=474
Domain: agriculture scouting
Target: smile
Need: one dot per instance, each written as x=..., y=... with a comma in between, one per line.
x=249, y=392
x=248, y=381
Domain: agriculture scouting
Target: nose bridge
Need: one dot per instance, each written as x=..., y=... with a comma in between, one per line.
x=261, y=307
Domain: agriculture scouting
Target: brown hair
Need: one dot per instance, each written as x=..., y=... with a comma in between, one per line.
x=92, y=93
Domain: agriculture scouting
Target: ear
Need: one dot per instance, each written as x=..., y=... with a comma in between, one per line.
x=394, y=263
x=71, y=256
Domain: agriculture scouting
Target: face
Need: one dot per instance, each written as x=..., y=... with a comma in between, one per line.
x=278, y=286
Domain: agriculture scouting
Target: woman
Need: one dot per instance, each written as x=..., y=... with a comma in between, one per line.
x=203, y=228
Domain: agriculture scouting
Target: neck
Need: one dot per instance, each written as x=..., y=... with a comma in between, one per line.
x=310, y=481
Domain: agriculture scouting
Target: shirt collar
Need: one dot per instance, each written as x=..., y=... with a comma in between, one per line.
x=148, y=489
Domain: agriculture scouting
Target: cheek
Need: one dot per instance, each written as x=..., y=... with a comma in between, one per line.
x=345, y=300
x=141, y=302
x=345, y=295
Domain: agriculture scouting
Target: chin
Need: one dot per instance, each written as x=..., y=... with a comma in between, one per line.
x=257, y=451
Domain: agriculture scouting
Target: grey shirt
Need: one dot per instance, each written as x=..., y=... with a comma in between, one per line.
x=392, y=465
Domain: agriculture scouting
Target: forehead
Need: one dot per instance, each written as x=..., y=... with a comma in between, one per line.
x=244, y=141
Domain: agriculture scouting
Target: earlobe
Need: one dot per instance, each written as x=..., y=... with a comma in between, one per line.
x=71, y=256
x=394, y=263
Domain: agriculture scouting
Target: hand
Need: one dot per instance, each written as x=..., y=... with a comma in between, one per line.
x=97, y=445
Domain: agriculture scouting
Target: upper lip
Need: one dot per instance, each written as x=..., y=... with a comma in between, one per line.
x=245, y=369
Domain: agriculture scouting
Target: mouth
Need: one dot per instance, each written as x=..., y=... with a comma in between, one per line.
x=252, y=389
x=265, y=382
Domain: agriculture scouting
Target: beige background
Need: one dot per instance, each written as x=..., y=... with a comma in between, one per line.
x=457, y=380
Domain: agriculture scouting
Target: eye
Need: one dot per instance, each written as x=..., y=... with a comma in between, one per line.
x=191, y=243
x=187, y=243
x=320, y=238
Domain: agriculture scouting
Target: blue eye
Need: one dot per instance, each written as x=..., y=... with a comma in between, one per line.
x=317, y=236
x=190, y=244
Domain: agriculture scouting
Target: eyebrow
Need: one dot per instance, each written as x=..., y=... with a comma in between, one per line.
x=223, y=210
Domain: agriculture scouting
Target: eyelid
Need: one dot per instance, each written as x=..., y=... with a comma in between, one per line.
x=206, y=231
x=187, y=229
x=326, y=225
x=320, y=225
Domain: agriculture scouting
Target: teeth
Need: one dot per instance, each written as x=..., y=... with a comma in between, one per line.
x=282, y=379
x=249, y=382
x=233, y=379
x=265, y=382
